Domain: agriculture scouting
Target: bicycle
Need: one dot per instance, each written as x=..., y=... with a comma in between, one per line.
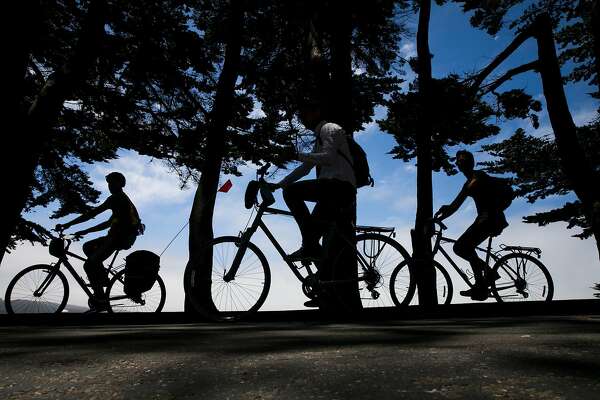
x=241, y=277
x=522, y=276
x=43, y=288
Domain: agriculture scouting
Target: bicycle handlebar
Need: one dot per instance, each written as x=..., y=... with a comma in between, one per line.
x=439, y=223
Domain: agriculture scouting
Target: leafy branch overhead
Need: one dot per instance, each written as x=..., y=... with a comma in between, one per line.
x=462, y=116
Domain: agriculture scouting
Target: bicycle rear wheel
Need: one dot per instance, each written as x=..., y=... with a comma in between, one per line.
x=37, y=289
x=239, y=297
x=377, y=257
x=152, y=300
x=522, y=278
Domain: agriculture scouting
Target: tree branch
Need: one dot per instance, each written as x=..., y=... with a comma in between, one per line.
x=490, y=87
x=514, y=45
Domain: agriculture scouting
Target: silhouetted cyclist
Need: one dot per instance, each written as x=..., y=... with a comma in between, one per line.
x=334, y=188
x=123, y=227
x=490, y=221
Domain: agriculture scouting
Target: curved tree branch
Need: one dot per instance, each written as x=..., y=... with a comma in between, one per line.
x=490, y=87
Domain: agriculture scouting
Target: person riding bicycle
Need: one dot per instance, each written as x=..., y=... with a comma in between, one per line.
x=334, y=188
x=490, y=222
x=123, y=226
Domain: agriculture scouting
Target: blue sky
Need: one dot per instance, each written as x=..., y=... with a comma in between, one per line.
x=457, y=48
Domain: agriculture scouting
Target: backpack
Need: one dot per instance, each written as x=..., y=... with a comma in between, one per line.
x=502, y=191
x=360, y=164
x=358, y=161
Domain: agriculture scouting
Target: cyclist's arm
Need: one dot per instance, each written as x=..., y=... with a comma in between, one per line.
x=100, y=227
x=301, y=171
x=447, y=210
x=88, y=215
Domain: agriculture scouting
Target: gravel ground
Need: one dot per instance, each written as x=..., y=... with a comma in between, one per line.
x=511, y=358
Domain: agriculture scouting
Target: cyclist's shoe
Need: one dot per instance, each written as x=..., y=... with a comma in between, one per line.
x=312, y=303
x=480, y=295
x=98, y=305
x=477, y=292
x=306, y=254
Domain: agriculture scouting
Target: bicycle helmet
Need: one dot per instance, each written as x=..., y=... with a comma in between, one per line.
x=117, y=178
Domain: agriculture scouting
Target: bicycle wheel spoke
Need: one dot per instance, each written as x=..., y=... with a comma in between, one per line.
x=247, y=286
x=151, y=300
x=382, y=256
x=523, y=278
x=24, y=294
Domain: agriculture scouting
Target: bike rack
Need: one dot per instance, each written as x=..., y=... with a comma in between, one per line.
x=522, y=249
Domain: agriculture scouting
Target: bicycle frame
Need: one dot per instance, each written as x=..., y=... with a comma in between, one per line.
x=247, y=235
x=438, y=248
x=258, y=223
x=64, y=259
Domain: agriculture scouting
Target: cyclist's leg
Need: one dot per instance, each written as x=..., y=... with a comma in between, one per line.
x=465, y=248
x=98, y=250
x=295, y=196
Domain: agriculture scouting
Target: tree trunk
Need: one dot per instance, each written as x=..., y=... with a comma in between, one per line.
x=584, y=180
x=341, y=98
x=421, y=241
x=27, y=145
x=341, y=66
x=18, y=53
x=316, y=81
x=201, y=216
x=595, y=24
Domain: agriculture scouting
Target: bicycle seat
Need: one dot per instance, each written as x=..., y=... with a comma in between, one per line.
x=378, y=229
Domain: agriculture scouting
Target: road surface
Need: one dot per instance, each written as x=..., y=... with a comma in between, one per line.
x=496, y=358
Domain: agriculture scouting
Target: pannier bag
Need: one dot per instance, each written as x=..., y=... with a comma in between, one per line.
x=141, y=271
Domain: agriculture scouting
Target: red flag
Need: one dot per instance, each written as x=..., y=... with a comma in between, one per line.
x=226, y=186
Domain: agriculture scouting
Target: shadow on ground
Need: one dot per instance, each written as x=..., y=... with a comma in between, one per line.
x=533, y=357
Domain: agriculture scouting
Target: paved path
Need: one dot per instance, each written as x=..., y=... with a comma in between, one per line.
x=511, y=358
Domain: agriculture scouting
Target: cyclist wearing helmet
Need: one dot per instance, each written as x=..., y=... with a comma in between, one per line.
x=490, y=221
x=123, y=226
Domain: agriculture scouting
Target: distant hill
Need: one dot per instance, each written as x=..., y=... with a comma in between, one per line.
x=69, y=308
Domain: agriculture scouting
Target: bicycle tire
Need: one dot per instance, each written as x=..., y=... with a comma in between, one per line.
x=505, y=266
x=444, y=285
x=34, y=279
x=385, y=254
x=406, y=286
x=223, y=309
x=153, y=299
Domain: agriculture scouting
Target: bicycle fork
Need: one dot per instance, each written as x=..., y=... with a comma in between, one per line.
x=47, y=281
x=239, y=256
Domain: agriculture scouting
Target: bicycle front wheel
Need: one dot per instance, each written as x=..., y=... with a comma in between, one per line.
x=231, y=299
x=37, y=289
x=522, y=278
x=403, y=286
x=152, y=300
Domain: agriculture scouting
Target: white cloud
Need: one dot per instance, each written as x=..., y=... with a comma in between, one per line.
x=408, y=50
x=149, y=181
x=257, y=111
x=584, y=116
